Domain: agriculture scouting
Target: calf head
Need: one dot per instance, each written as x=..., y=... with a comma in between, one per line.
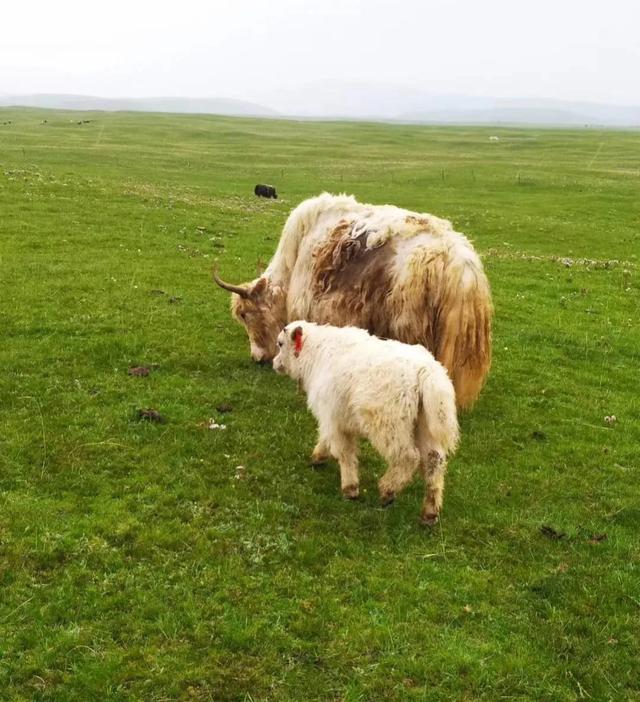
x=290, y=342
x=260, y=306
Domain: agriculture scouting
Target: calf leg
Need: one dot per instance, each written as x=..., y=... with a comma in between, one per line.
x=434, y=466
x=345, y=448
x=402, y=467
x=321, y=452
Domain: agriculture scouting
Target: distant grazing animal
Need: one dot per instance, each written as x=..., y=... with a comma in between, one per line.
x=397, y=396
x=399, y=274
x=265, y=191
x=494, y=138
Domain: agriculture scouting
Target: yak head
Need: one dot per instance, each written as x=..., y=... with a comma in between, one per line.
x=260, y=306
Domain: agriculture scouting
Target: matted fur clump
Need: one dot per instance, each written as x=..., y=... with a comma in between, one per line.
x=399, y=274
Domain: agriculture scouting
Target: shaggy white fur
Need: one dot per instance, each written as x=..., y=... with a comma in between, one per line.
x=396, y=395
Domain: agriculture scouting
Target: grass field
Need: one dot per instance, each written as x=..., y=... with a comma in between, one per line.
x=138, y=562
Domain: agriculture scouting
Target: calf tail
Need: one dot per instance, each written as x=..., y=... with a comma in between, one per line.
x=438, y=416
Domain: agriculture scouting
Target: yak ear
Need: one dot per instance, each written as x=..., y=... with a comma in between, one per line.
x=259, y=288
x=296, y=333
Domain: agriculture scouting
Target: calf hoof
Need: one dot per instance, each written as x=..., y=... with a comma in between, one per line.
x=429, y=518
x=351, y=492
x=318, y=461
x=387, y=498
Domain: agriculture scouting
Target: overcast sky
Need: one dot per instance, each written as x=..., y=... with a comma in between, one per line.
x=279, y=50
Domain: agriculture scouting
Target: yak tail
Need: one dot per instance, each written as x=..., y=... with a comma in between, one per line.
x=463, y=329
x=438, y=414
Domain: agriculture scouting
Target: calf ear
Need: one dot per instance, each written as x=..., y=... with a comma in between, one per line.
x=296, y=337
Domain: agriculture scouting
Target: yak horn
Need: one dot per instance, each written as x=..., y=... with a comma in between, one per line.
x=237, y=289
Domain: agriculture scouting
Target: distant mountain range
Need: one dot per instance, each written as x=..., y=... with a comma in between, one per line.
x=540, y=112
x=364, y=102
x=214, y=106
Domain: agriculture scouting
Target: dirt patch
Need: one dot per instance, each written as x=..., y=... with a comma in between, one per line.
x=552, y=533
x=139, y=371
x=150, y=415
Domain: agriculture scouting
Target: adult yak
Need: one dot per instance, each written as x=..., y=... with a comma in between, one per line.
x=396, y=273
x=262, y=190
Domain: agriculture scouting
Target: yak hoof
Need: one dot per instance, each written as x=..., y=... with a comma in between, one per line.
x=318, y=461
x=387, y=498
x=429, y=518
x=351, y=492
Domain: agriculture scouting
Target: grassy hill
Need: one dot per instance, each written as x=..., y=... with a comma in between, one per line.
x=170, y=561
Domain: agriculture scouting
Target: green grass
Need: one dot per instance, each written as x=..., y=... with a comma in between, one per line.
x=134, y=565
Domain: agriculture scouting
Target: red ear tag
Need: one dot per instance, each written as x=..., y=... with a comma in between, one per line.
x=297, y=341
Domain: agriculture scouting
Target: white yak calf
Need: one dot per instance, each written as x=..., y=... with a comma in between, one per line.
x=395, y=395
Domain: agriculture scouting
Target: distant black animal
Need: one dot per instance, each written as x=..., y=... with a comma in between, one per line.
x=265, y=191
